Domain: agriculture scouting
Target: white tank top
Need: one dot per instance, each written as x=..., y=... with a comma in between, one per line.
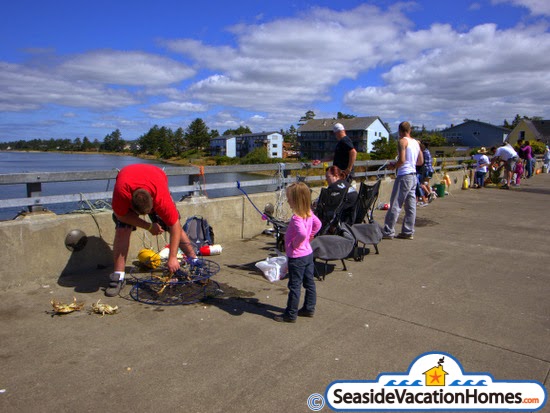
x=411, y=156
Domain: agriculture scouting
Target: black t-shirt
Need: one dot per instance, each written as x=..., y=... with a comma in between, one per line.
x=341, y=153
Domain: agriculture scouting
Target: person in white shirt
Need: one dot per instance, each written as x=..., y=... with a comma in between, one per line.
x=482, y=162
x=404, y=187
x=546, y=159
x=506, y=154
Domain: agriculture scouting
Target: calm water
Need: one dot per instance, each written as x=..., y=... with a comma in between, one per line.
x=22, y=162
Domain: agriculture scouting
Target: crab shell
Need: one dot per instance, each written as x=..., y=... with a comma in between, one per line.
x=66, y=308
x=104, y=308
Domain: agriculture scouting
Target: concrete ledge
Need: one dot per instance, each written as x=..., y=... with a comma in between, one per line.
x=35, y=251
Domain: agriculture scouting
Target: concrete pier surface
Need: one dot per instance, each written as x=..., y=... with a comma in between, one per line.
x=474, y=283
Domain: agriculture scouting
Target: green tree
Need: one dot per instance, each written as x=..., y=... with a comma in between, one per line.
x=166, y=148
x=257, y=156
x=86, y=144
x=341, y=115
x=178, y=141
x=197, y=135
x=77, y=145
x=432, y=137
x=290, y=135
x=308, y=116
x=149, y=143
x=241, y=130
x=384, y=149
x=113, y=142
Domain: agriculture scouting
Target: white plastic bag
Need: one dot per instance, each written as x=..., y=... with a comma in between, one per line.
x=274, y=268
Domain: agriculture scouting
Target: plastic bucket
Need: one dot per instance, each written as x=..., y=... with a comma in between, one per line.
x=440, y=190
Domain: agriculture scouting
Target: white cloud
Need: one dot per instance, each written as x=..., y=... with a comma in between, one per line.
x=293, y=61
x=125, y=68
x=296, y=63
x=25, y=88
x=269, y=74
x=536, y=7
x=170, y=109
x=483, y=74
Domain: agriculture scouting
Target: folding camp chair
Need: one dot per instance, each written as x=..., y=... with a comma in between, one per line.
x=366, y=200
x=331, y=247
x=329, y=208
x=365, y=229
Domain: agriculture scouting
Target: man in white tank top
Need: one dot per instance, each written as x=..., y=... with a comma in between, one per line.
x=404, y=187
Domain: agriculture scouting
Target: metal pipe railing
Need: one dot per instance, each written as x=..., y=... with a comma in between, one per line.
x=34, y=180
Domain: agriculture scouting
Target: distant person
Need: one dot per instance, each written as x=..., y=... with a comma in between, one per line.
x=301, y=229
x=428, y=169
x=546, y=159
x=518, y=172
x=142, y=189
x=344, y=153
x=482, y=163
x=529, y=159
x=421, y=191
x=507, y=155
x=404, y=186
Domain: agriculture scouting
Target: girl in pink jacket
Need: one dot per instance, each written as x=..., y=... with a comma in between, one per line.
x=301, y=229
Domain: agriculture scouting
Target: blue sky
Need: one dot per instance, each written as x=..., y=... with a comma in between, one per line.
x=75, y=69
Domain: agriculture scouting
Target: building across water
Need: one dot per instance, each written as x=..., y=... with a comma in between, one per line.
x=317, y=139
x=241, y=145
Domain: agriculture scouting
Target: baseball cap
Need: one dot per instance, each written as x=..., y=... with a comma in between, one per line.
x=338, y=127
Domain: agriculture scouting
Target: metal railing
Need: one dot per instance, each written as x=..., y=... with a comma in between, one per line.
x=34, y=180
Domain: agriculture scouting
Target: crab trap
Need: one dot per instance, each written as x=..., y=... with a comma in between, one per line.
x=188, y=285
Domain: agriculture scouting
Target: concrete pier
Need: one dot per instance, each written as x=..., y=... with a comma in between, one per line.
x=473, y=283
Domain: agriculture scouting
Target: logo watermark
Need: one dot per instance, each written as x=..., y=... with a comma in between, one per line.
x=434, y=381
x=315, y=402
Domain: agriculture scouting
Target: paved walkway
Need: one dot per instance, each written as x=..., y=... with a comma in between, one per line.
x=474, y=283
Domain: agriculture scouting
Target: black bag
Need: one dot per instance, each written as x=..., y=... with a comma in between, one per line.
x=199, y=232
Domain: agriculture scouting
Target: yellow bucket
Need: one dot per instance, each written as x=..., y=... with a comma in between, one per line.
x=149, y=258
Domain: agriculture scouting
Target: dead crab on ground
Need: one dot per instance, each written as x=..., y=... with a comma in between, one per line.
x=61, y=308
x=104, y=308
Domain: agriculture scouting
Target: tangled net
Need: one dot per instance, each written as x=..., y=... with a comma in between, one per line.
x=188, y=285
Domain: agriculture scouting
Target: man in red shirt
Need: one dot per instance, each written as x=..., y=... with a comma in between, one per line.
x=142, y=189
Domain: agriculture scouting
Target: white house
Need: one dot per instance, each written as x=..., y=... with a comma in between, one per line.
x=317, y=140
x=240, y=145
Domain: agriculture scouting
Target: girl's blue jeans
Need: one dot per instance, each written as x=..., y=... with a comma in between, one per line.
x=300, y=272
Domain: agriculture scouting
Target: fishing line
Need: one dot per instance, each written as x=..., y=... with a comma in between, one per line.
x=247, y=197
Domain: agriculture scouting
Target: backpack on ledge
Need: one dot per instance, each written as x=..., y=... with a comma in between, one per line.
x=198, y=230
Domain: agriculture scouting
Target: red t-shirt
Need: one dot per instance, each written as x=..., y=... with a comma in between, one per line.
x=154, y=181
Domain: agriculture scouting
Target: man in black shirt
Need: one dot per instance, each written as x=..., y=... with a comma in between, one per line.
x=344, y=153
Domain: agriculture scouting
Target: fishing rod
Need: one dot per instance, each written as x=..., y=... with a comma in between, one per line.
x=264, y=216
